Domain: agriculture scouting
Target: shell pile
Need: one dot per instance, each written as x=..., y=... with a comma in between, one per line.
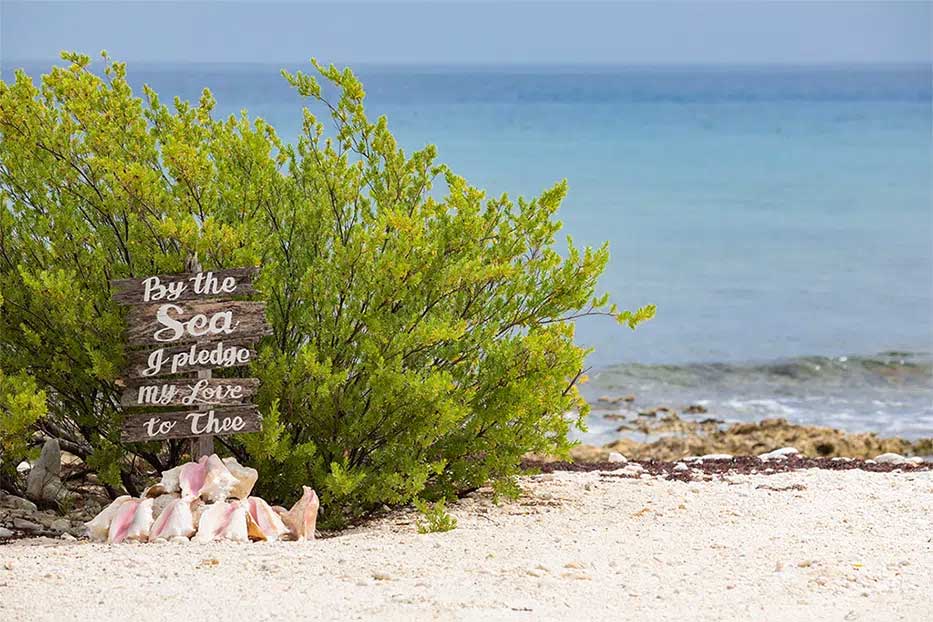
x=204, y=501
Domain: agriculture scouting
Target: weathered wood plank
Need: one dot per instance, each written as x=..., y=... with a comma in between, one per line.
x=188, y=423
x=203, y=285
x=183, y=359
x=190, y=393
x=172, y=323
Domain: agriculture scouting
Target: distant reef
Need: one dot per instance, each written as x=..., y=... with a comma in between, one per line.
x=669, y=437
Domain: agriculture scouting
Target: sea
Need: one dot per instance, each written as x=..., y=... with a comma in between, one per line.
x=781, y=218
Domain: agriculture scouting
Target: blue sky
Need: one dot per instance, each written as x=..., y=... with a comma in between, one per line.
x=473, y=32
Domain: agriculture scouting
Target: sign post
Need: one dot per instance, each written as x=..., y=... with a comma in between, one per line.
x=180, y=328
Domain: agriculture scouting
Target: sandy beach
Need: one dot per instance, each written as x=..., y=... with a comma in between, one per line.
x=623, y=545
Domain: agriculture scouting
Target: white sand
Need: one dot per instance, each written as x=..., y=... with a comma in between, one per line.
x=851, y=546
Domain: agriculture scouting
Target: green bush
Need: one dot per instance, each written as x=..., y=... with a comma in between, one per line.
x=436, y=518
x=422, y=332
x=21, y=405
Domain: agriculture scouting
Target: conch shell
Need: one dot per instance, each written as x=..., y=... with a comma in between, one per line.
x=169, y=482
x=99, y=526
x=222, y=521
x=175, y=520
x=208, y=478
x=245, y=478
x=131, y=522
x=192, y=500
x=262, y=522
x=161, y=502
x=302, y=518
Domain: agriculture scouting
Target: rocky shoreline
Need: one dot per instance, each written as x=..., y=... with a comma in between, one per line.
x=661, y=433
x=705, y=468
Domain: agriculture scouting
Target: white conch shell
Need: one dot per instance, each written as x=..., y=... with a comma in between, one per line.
x=222, y=521
x=175, y=520
x=169, y=481
x=219, y=481
x=245, y=478
x=236, y=529
x=98, y=527
x=209, y=477
x=262, y=522
x=131, y=522
x=302, y=518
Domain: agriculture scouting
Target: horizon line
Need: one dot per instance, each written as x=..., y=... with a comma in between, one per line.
x=490, y=65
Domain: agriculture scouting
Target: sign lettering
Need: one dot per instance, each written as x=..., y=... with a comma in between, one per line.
x=181, y=323
x=189, y=393
x=188, y=423
x=185, y=286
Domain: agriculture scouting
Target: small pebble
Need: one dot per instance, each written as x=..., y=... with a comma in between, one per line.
x=890, y=458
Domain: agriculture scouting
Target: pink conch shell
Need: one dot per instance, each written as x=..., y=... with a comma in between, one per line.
x=245, y=478
x=263, y=522
x=175, y=520
x=191, y=477
x=302, y=518
x=131, y=522
x=222, y=521
x=99, y=526
x=209, y=478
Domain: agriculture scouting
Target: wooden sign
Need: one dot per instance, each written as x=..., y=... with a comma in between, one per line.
x=179, y=325
x=189, y=358
x=185, y=286
x=190, y=393
x=183, y=424
x=170, y=323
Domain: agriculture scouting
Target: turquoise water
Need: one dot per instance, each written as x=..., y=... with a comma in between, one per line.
x=780, y=218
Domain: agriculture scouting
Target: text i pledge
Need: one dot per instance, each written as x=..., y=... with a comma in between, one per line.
x=216, y=356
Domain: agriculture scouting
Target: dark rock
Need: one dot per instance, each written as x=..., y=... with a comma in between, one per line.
x=44, y=482
x=24, y=525
x=17, y=503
